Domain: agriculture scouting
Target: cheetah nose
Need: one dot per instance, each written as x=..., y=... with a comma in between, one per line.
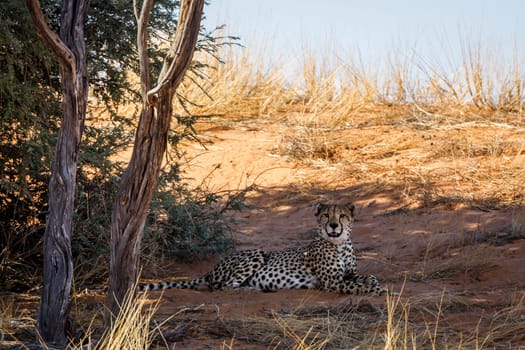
x=334, y=225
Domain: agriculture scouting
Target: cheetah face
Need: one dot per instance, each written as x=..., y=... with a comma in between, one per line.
x=335, y=221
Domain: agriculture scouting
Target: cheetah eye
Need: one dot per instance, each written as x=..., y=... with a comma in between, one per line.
x=342, y=216
x=325, y=215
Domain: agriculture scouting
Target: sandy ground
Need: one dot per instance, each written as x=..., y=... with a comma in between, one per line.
x=462, y=255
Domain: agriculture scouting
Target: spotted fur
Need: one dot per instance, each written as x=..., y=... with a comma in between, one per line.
x=327, y=263
x=233, y=271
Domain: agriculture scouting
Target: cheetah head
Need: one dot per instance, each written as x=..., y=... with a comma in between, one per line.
x=335, y=221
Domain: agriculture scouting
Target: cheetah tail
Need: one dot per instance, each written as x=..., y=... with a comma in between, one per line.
x=193, y=284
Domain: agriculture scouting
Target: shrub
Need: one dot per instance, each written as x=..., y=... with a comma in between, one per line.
x=30, y=110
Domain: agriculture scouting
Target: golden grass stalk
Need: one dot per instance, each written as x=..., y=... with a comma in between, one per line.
x=16, y=320
x=506, y=326
x=397, y=333
x=131, y=329
x=242, y=86
x=310, y=340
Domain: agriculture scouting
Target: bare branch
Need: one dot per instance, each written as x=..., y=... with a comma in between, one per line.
x=138, y=182
x=179, y=55
x=52, y=40
x=136, y=10
x=142, y=46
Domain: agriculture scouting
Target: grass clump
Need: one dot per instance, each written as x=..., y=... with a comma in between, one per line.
x=518, y=223
x=131, y=329
x=306, y=142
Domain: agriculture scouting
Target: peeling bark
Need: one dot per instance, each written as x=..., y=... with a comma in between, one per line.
x=140, y=178
x=69, y=48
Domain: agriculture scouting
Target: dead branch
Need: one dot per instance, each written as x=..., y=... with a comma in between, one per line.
x=52, y=40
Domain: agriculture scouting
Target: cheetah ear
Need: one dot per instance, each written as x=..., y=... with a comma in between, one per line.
x=351, y=207
x=318, y=207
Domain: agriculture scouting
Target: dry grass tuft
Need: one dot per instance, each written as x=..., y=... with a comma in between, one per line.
x=518, y=223
x=325, y=329
x=308, y=142
x=420, y=322
x=478, y=87
x=506, y=325
x=16, y=321
x=468, y=263
x=240, y=87
x=132, y=329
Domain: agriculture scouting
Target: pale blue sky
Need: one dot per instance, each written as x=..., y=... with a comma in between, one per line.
x=373, y=27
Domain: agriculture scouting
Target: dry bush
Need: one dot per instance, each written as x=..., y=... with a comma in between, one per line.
x=307, y=144
x=308, y=139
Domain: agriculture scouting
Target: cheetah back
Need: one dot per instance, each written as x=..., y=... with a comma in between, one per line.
x=284, y=269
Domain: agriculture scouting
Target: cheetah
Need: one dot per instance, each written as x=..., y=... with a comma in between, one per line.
x=328, y=263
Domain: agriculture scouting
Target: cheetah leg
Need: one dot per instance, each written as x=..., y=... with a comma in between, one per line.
x=359, y=285
x=241, y=278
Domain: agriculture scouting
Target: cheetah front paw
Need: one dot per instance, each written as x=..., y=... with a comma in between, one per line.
x=374, y=287
x=371, y=280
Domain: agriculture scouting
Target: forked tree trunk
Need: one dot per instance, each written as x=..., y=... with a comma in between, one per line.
x=140, y=178
x=69, y=49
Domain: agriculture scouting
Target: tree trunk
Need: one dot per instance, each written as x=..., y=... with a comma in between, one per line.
x=58, y=265
x=140, y=178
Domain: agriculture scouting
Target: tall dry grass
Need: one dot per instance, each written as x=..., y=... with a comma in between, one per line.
x=248, y=85
x=131, y=329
